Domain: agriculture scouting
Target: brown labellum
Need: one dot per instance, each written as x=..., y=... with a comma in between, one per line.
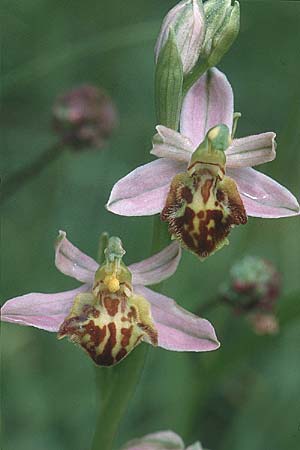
x=201, y=209
x=108, y=327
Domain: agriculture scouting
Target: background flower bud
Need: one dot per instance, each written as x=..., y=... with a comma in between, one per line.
x=84, y=117
x=264, y=323
x=188, y=23
x=254, y=286
x=222, y=27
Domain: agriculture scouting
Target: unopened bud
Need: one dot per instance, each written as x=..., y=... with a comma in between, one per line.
x=222, y=27
x=84, y=117
x=254, y=286
x=187, y=21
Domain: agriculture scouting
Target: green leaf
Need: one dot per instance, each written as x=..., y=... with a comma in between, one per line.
x=168, y=84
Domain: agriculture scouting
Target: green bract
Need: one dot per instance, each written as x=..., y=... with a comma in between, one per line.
x=168, y=84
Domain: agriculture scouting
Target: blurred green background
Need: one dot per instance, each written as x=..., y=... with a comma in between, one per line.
x=245, y=396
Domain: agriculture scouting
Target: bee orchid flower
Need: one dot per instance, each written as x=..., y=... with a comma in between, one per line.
x=113, y=310
x=203, y=182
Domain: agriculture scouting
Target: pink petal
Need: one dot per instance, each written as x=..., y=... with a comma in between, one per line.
x=45, y=311
x=262, y=196
x=178, y=329
x=251, y=150
x=161, y=440
x=143, y=191
x=208, y=103
x=72, y=262
x=157, y=268
x=170, y=144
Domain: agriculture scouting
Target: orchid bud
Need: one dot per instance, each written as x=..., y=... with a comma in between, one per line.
x=222, y=27
x=187, y=21
x=84, y=117
x=254, y=286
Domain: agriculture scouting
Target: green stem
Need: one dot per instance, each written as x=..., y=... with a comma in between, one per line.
x=19, y=178
x=161, y=236
x=116, y=385
x=194, y=76
x=115, y=388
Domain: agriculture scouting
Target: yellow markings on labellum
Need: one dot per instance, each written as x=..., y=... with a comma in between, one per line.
x=112, y=283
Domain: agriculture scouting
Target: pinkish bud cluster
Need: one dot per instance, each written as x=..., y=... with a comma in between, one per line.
x=84, y=117
x=254, y=286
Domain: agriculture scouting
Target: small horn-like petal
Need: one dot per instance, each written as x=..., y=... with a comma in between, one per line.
x=45, y=311
x=170, y=144
x=208, y=103
x=178, y=329
x=143, y=191
x=72, y=262
x=251, y=150
x=158, y=267
x=262, y=196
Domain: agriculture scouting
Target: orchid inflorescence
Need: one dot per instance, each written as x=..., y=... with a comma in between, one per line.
x=202, y=184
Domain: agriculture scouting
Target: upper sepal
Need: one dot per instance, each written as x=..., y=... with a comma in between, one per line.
x=44, y=311
x=178, y=329
x=143, y=191
x=263, y=196
x=208, y=103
